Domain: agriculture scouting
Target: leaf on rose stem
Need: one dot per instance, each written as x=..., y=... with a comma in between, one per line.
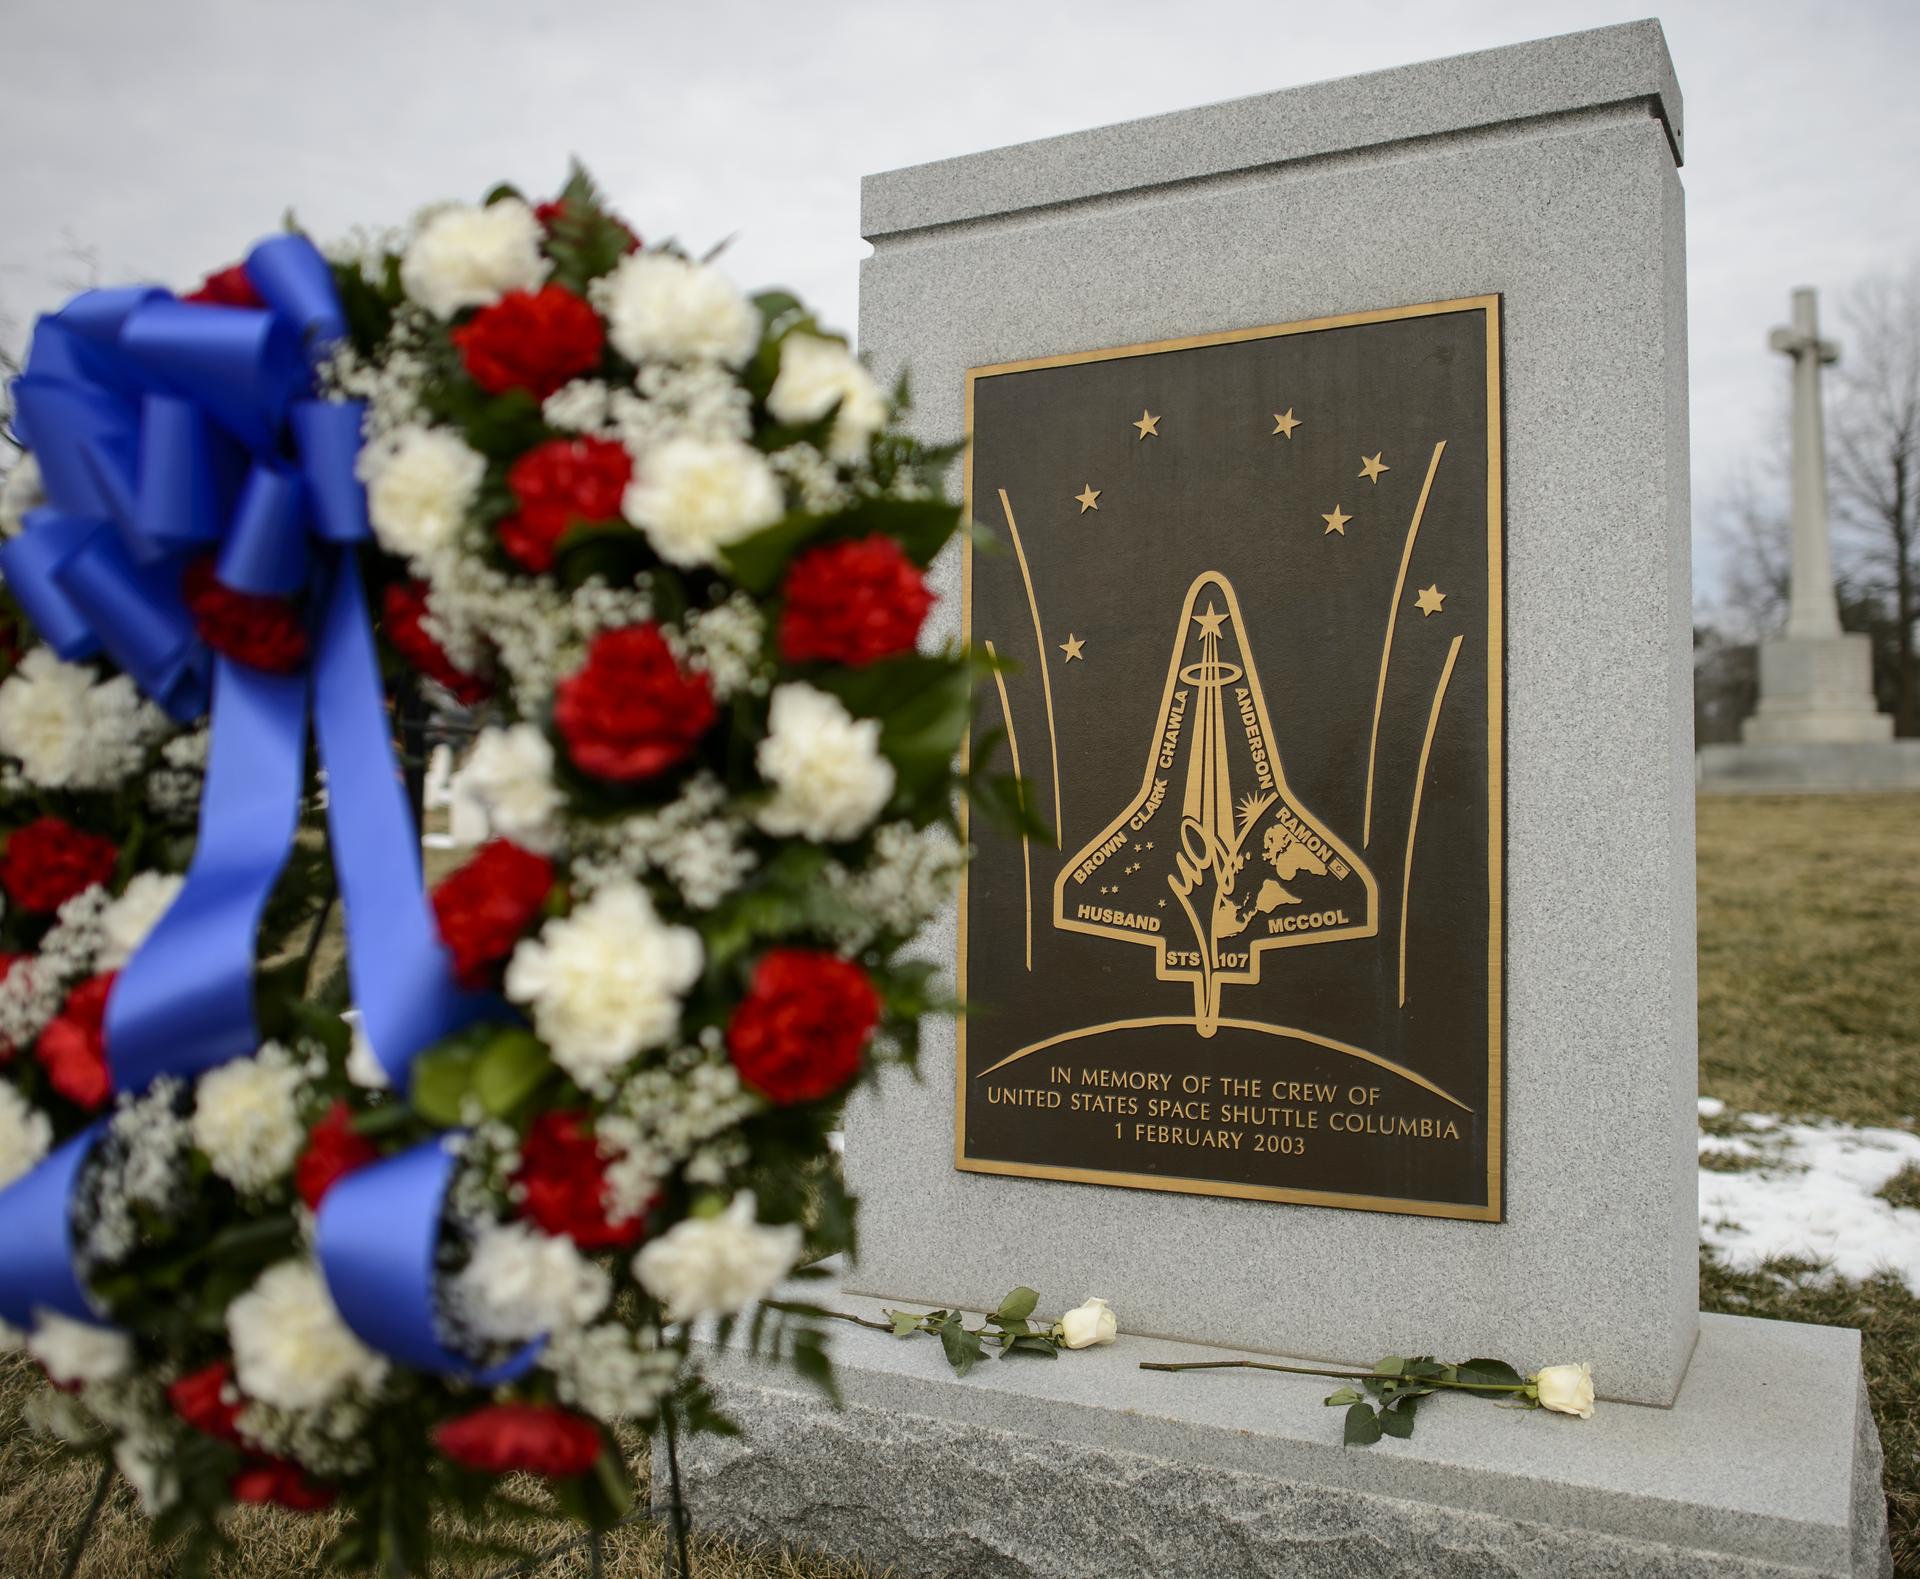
x=1363, y=1426
x=1340, y=1398
x=963, y=1347
x=1496, y=1371
x=1397, y=1418
x=1392, y=1365
x=1017, y=1306
x=905, y=1322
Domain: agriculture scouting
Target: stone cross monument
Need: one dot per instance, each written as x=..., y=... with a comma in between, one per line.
x=1816, y=682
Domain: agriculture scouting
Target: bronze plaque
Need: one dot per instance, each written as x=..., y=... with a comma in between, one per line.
x=1246, y=603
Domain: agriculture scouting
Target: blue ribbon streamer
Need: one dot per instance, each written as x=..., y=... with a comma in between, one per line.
x=166, y=429
x=377, y=1235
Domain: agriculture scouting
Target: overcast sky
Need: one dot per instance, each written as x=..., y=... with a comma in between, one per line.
x=154, y=139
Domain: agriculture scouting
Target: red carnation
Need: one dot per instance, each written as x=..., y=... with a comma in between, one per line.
x=262, y=632
x=562, y=484
x=631, y=711
x=799, y=1034
x=487, y=905
x=502, y=1439
x=200, y=1399
x=49, y=861
x=531, y=340
x=563, y=1184
x=283, y=1484
x=406, y=606
x=334, y=1150
x=227, y=288
x=852, y=603
x=73, y=1047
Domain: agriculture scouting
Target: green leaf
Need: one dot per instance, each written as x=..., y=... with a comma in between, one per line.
x=1017, y=1306
x=963, y=1347
x=1341, y=1398
x=1363, y=1426
x=443, y=1076
x=1392, y=1365
x=1398, y=1420
x=905, y=1322
x=513, y=1067
x=1493, y=1371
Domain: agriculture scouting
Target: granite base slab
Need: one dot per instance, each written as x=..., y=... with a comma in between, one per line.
x=1890, y=766
x=1768, y=1465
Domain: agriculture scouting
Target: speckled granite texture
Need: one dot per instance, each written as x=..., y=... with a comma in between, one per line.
x=1547, y=173
x=1767, y=1466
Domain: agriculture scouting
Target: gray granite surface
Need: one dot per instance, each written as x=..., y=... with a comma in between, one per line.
x=1622, y=65
x=1767, y=1465
x=1576, y=216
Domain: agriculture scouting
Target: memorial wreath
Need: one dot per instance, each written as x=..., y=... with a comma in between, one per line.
x=378, y=1236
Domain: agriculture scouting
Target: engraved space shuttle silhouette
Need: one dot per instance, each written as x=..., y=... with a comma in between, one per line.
x=1214, y=860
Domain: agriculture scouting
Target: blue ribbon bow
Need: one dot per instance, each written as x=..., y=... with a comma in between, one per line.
x=165, y=430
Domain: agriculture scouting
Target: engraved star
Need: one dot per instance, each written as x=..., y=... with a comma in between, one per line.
x=1163, y=904
x=1149, y=844
x=1210, y=622
x=1371, y=467
x=1285, y=424
x=1071, y=647
x=1336, y=521
x=1087, y=497
x=1148, y=424
x=1430, y=599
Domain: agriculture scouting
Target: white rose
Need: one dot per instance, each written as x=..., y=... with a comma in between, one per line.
x=420, y=484
x=714, y=1266
x=246, y=1118
x=605, y=982
x=69, y=731
x=1088, y=1325
x=816, y=374
x=829, y=778
x=676, y=310
x=1566, y=1389
x=291, y=1350
x=520, y=1283
x=21, y=490
x=693, y=497
x=505, y=790
x=26, y=1135
x=78, y=1351
x=471, y=257
x=126, y=923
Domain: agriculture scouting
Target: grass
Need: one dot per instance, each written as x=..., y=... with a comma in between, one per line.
x=1808, y=999
x=1809, y=909
x=1809, y=1003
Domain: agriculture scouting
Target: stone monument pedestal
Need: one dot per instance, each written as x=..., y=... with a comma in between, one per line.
x=1766, y=1466
x=1816, y=691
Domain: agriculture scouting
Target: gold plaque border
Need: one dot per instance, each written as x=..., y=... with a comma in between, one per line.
x=1495, y=1209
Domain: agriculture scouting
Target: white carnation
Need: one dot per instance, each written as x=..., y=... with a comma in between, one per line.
x=291, y=1350
x=829, y=778
x=715, y=1266
x=146, y=1459
x=78, y=1351
x=21, y=490
x=505, y=790
x=246, y=1118
x=605, y=982
x=471, y=257
x=70, y=731
x=125, y=924
x=522, y=1284
x=420, y=484
x=693, y=497
x=676, y=310
x=26, y=1134
x=816, y=374
x=364, y=1068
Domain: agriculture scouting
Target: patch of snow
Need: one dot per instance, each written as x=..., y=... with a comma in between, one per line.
x=1711, y=1107
x=1813, y=1192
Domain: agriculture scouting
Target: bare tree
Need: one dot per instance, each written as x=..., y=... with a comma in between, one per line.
x=1873, y=428
x=1749, y=526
